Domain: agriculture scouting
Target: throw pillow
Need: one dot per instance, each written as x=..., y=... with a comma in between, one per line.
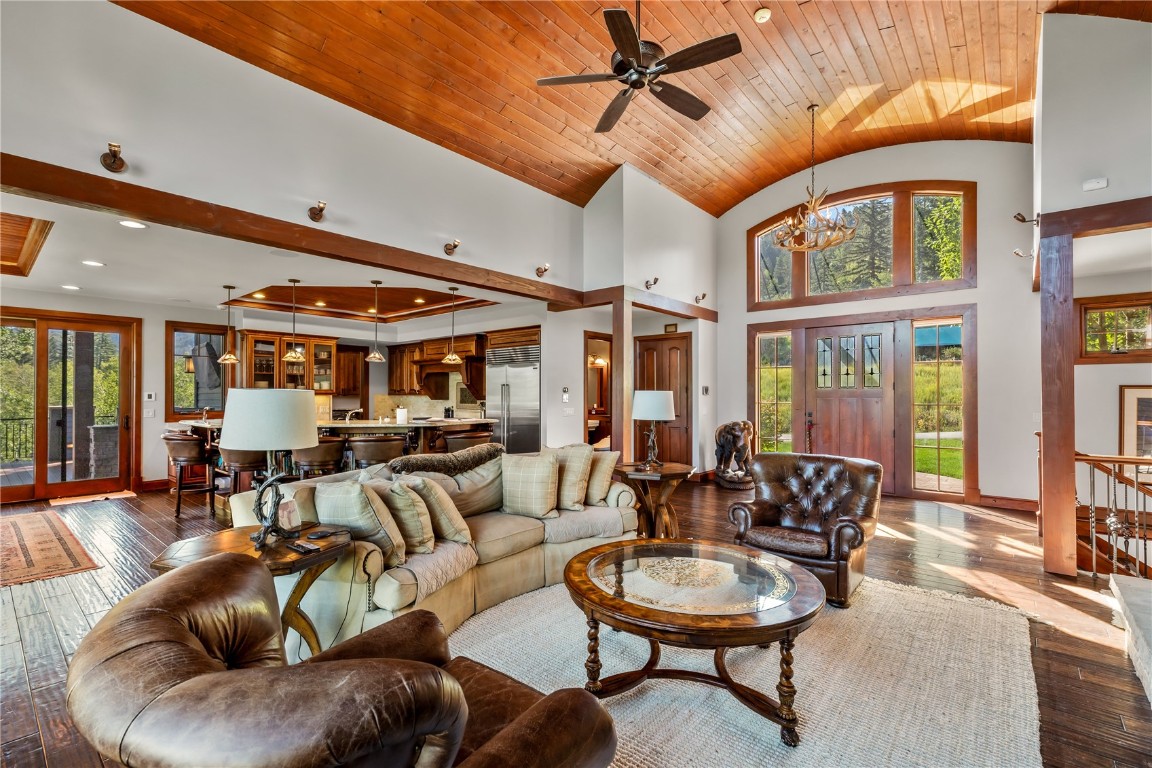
x=600, y=477
x=357, y=508
x=411, y=516
x=446, y=520
x=375, y=472
x=529, y=485
x=474, y=491
x=575, y=462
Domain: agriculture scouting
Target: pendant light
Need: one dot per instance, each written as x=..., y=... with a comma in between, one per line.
x=293, y=355
x=809, y=229
x=374, y=356
x=452, y=358
x=229, y=357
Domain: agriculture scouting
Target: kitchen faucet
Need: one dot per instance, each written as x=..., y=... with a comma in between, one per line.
x=204, y=417
x=348, y=416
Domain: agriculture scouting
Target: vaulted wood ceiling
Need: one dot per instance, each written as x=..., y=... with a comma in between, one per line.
x=463, y=75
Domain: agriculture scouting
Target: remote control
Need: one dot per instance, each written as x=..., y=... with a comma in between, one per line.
x=303, y=547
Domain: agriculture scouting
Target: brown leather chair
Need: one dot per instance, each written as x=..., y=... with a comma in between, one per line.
x=816, y=511
x=327, y=458
x=190, y=670
x=184, y=451
x=376, y=449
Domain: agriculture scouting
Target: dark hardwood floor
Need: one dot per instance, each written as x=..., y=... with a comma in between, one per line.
x=1093, y=710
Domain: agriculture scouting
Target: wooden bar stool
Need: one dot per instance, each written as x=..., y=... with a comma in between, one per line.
x=184, y=451
x=376, y=449
x=327, y=458
x=234, y=462
x=462, y=440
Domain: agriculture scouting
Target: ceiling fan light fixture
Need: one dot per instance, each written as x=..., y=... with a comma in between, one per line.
x=452, y=358
x=809, y=228
x=374, y=356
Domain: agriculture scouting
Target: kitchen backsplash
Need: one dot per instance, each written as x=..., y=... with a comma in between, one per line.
x=422, y=405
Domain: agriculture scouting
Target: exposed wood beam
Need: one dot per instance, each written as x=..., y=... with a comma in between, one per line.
x=1098, y=219
x=44, y=181
x=646, y=300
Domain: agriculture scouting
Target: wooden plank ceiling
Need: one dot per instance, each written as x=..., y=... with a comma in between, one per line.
x=462, y=75
x=356, y=302
x=21, y=239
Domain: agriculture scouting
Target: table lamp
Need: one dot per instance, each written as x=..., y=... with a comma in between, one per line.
x=652, y=405
x=269, y=420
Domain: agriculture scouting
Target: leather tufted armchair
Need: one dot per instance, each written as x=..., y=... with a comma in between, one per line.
x=190, y=670
x=816, y=511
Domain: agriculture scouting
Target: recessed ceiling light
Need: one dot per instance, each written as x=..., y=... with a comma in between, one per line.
x=133, y=224
x=762, y=15
x=91, y=263
x=371, y=310
x=70, y=287
x=419, y=301
x=257, y=295
x=321, y=304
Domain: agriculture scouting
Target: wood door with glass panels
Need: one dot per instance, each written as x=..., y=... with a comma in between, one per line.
x=850, y=393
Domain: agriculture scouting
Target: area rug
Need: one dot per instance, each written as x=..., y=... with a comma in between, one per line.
x=38, y=545
x=94, y=497
x=905, y=677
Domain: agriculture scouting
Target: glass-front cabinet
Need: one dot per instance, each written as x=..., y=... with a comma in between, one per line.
x=264, y=366
x=261, y=359
x=323, y=360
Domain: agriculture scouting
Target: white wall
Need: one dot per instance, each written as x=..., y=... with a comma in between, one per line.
x=563, y=364
x=604, y=235
x=1094, y=107
x=1008, y=321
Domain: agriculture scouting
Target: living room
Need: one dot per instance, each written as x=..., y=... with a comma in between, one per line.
x=79, y=76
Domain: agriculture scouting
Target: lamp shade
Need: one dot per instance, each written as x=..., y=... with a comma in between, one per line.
x=653, y=405
x=269, y=420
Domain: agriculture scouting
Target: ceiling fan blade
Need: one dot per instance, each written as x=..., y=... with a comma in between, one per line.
x=615, y=110
x=704, y=52
x=574, y=79
x=624, y=35
x=680, y=100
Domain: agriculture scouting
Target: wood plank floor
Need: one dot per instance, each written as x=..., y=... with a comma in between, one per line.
x=1093, y=710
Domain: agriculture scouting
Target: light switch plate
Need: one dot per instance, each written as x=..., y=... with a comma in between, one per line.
x=149, y=396
x=149, y=413
x=568, y=411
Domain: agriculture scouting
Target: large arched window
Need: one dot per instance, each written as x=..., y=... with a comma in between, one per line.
x=911, y=237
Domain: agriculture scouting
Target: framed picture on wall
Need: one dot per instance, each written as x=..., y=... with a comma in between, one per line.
x=1136, y=428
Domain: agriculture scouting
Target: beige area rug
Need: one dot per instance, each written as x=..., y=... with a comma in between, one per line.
x=38, y=545
x=905, y=677
x=93, y=497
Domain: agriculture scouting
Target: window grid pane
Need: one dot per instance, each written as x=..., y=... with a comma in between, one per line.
x=1119, y=329
x=197, y=378
x=774, y=268
x=847, y=362
x=937, y=233
x=774, y=393
x=863, y=262
x=938, y=406
x=824, y=363
x=872, y=376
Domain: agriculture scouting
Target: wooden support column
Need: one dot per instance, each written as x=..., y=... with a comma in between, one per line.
x=1059, y=344
x=623, y=371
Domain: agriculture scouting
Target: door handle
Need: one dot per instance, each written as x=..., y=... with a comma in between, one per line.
x=127, y=422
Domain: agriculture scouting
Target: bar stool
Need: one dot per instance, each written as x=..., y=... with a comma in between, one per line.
x=376, y=449
x=457, y=442
x=184, y=451
x=327, y=458
x=235, y=461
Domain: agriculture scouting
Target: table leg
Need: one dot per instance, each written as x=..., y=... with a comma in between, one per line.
x=787, y=693
x=592, y=665
x=293, y=617
x=665, y=525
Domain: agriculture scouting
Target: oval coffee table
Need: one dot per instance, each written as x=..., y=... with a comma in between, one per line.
x=695, y=594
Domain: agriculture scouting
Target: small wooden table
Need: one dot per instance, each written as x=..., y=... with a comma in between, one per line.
x=276, y=557
x=654, y=488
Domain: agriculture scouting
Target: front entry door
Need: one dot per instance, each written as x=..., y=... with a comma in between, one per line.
x=850, y=392
x=665, y=363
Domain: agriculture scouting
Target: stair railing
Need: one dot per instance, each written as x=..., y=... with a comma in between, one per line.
x=1127, y=518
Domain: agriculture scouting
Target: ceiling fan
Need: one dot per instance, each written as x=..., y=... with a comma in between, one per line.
x=641, y=63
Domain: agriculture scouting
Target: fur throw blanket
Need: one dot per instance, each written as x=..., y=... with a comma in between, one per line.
x=447, y=463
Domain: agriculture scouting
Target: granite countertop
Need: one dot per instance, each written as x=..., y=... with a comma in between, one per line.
x=376, y=424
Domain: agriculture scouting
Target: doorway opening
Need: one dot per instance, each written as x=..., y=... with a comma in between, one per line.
x=598, y=388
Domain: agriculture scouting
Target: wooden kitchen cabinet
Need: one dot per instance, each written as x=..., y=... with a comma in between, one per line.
x=350, y=372
x=514, y=337
x=435, y=350
x=403, y=370
x=264, y=368
x=261, y=360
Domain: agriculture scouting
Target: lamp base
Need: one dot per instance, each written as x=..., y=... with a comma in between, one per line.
x=651, y=462
x=270, y=518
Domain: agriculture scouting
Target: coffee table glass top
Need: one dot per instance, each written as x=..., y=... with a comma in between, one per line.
x=692, y=577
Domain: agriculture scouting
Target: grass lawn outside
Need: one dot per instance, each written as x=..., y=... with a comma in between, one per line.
x=951, y=456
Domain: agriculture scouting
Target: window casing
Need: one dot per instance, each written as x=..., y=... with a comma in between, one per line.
x=911, y=237
x=1115, y=329
x=193, y=380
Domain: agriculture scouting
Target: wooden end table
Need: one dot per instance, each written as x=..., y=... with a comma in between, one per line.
x=654, y=488
x=276, y=557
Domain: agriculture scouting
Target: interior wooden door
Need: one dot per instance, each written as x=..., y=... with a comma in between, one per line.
x=849, y=394
x=665, y=363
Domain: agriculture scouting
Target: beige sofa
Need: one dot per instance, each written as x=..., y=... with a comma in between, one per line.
x=509, y=554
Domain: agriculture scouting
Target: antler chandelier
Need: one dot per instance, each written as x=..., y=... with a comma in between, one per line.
x=809, y=229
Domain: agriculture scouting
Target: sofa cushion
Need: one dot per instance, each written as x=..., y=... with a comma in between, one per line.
x=590, y=522
x=358, y=508
x=447, y=523
x=600, y=476
x=476, y=490
x=411, y=515
x=375, y=472
x=791, y=541
x=575, y=461
x=530, y=484
x=497, y=535
x=447, y=463
x=422, y=575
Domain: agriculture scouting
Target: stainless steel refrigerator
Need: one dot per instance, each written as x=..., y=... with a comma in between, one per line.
x=513, y=397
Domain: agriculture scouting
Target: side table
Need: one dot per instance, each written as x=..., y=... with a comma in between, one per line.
x=654, y=488
x=276, y=557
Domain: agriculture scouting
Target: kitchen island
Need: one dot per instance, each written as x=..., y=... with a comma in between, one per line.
x=424, y=431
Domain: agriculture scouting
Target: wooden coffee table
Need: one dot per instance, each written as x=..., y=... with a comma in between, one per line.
x=695, y=594
x=276, y=557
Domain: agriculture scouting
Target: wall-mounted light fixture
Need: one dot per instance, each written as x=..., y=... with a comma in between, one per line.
x=316, y=212
x=1024, y=220
x=1020, y=254
x=700, y=298
x=450, y=248
x=597, y=361
x=541, y=270
x=111, y=159
x=649, y=283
